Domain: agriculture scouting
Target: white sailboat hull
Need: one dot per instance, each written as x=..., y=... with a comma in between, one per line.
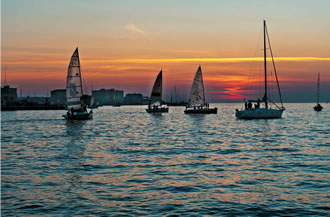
x=259, y=113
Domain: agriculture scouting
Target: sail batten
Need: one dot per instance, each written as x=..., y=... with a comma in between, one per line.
x=156, y=93
x=197, y=95
x=74, y=90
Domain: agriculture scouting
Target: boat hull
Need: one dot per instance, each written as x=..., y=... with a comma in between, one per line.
x=201, y=111
x=318, y=108
x=157, y=110
x=79, y=116
x=260, y=113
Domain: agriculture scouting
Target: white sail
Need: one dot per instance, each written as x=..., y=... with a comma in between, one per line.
x=73, y=83
x=156, y=93
x=197, y=95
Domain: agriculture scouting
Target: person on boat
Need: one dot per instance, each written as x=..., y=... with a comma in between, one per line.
x=246, y=105
x=249, y=105
x=258, y=103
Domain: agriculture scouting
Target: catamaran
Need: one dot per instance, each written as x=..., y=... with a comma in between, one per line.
x=318, y=106
x=197, y=103
x=155, y=102
x=264, y=108
x=77, y=110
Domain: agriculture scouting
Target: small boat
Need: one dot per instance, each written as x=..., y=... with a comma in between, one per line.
x=155, y=102
x=267, y=111
x=93, y=106
x=197, y=104
x=77, y=110
x=116, y=104
x=318, y=106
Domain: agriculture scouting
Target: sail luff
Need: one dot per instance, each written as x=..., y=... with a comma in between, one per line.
x=202, y=86
x=156, y=93
x=81, y=86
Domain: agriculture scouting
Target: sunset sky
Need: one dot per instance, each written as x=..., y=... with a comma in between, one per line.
x=124, y=44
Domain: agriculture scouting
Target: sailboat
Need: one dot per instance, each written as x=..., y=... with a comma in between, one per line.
x=197, y=103
x=74, y=91
x=318, y=106
x=155, y=102
x=264, y=108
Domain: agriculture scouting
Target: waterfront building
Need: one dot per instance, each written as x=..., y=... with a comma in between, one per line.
x=136, y=99
x=35, y=100
x=58, y=97
x=8, y=95
x=108, y=97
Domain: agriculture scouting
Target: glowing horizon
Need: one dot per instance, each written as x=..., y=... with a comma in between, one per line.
x=176, y=60
x=124, y=48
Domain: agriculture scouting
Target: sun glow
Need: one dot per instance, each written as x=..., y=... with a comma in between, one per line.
x=169, y=60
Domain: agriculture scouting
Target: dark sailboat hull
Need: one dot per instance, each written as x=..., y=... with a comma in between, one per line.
x=157, y=110
x=318, y=108
x=79, y=116
x=201, y=111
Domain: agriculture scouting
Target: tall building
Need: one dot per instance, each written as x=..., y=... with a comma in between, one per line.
x=8, y=95
x=108, y=97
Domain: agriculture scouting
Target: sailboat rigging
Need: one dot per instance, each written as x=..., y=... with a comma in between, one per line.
x=318, y=106
x=74, y=91
x=155, y=102
x=266, y=112
x=197, y=103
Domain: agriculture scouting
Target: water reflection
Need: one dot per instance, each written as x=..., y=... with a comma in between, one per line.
x=197, y=120
x=128, y=162
x=76, y=144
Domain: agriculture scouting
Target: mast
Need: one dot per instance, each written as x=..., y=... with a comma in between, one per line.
x=202, y=86
x=175, y=98
x=318, y=89
x=265, y=65
x=81, y=84
x=5, y=77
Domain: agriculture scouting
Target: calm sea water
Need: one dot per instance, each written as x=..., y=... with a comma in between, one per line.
x=128, y=162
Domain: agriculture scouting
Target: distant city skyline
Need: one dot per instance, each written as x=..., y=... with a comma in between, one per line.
x=124, y=44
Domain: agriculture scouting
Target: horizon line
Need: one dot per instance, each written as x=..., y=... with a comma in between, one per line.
x=177, y=60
